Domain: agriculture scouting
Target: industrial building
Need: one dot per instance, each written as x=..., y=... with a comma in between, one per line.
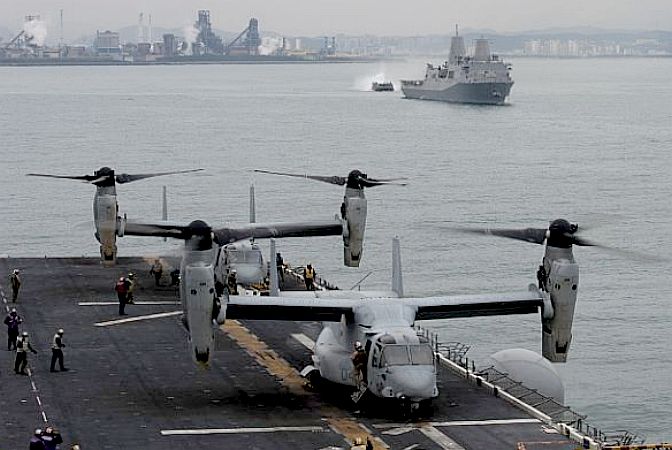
x=107, y=43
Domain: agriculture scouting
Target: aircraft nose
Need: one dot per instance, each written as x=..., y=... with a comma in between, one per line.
x=417, y=383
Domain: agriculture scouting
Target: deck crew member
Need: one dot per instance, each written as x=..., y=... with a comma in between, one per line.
x=121, y=287
x=15, y=281
x=309, y=276
x=36, y=442
x=157, y=271
x=51, y=438
x=359, y=362
x=22, y=347
x=132, y=283
x=13, y=320
x=280, y=264
x=57, y=345
x=358, y=444
x=232, y=282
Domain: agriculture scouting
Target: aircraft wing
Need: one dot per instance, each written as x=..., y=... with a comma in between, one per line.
x=454, y=306
x=289, y=308
x=333, y=227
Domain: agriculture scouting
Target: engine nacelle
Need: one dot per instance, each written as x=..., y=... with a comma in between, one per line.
x=562, y=284
x=353, y=211
x=198, y=295
x=105, y=218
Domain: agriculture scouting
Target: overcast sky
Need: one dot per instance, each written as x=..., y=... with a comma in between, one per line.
x=320, y=17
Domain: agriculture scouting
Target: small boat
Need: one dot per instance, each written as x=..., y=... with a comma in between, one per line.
x=380, y=87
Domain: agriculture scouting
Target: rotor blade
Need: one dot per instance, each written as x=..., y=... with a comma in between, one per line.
x=533, y=235
x=85, y=178
x=627, y=254
x=157, y=229
x=127, y=178
x=228, y=235
x=340, y=181
x=373, y=182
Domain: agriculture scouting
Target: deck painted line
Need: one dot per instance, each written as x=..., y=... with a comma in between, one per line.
x=38, y=400
x=134, y=303
x=44, y=417
x=137, y=318
x=204, y=431
x=277, y=366
x=461, y=423
x=440, y=439
x=304, y=340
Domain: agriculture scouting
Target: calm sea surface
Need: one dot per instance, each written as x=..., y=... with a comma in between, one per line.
x=588, y=140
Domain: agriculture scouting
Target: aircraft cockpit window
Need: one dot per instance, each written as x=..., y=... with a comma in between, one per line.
x=395, y=355
x=235, y=257
x=421, y=355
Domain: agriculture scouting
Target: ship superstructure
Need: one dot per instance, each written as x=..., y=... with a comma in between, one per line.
x=482, y=78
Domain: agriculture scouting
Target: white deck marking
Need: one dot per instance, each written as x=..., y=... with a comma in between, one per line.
x=44, y=417
x=203, y=431
x=462, y=423
x=137, y=318
x=304, y=340
x=134, y=303
x=411, y=447
x=440, y=439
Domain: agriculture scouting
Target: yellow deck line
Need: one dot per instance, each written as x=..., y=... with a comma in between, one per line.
x=289, y=377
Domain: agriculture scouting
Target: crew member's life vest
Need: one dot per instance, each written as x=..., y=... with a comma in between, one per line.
x=310, y=273
x=56, y=343
x=121, y=287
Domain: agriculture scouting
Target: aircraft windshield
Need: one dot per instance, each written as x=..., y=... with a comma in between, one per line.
x=244, y=257
x=400, y=355
x=395, y=355
x=422, y=355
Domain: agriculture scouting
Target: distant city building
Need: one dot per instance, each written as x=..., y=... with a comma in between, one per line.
x=169, y=45
x=107, y=42
x=207, y=42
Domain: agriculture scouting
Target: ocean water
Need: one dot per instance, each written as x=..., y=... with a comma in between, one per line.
x=587, y=140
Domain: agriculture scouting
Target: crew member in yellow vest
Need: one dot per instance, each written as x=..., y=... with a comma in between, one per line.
x=309, y=276
x=57, y=345
x=15, y=281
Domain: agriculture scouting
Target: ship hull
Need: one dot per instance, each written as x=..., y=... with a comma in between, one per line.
x=474, y=93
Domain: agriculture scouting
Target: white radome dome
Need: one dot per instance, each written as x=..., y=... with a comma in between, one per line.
x=531, y=369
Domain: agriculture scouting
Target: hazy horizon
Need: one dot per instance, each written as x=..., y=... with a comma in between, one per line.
x=310, y=18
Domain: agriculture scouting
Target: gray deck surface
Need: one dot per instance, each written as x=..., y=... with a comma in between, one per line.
x=129, y=382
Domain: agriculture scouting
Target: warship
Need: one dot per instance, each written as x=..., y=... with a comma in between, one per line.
x=481, y=79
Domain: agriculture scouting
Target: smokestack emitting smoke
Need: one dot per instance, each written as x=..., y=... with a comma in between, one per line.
x=190, y=36
x=36, y=30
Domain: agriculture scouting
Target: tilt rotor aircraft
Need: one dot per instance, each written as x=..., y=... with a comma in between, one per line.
x=400, y=365
x=202, y=302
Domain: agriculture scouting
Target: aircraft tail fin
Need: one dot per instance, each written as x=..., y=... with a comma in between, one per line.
x=397, y=279
x=273, y=269
x=253, y=205
x=164, y=211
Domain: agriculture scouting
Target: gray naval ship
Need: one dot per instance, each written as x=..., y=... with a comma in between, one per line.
x=482, y=78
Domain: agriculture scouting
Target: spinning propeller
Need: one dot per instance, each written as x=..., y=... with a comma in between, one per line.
x=560, y=233
x=106, y=177
x=355, y=179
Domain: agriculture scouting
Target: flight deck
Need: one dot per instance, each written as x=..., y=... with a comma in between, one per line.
x=132, y=383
